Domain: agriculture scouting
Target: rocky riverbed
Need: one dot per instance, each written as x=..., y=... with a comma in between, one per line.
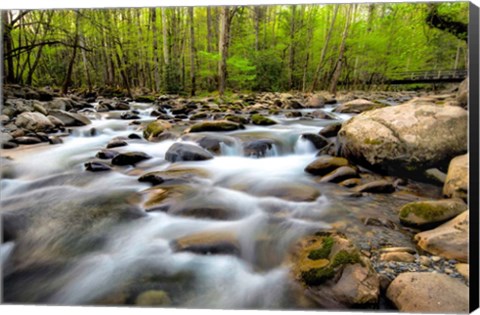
x=263, y=201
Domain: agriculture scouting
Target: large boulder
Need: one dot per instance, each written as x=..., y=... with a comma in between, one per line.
x=186, y=152
x=406, y=138
x=456, y=183
x=70, y=119
x=422, y=292
x=34, y=122
x=449, y=240
x=429, y=212
x=357, y=106
x=333, y=271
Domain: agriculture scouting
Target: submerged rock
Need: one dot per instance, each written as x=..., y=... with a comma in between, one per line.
x=257, y=148
x=449, y=240
x=420, y=292
x=423, y=213
x=186, y=152
x=456, y=183
x=405, y=139
x=208, y=243
x=97, y=166
x=130, y=158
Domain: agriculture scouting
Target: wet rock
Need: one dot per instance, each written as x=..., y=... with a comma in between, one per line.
x=208, y=243
x=292, y=191
x=340, y=174
x=134, y=136
x=9, y=145
x=357, y=106
x=293, y=114
x=398, y=139
x=449, y=240
x=325, y=164
x=186, y=152
x=130, y=158
x=55, y=140
x=436, y=175
x=417, y=292
x=260, y=120
x=107, y=154
x=153, y=298
x=320, y=114
x=398, y=256
x=317, y=140
x=331, y=130
x=129, y=116
x=55, y=121
x=154, y=129
x=27, y=140
x=97, y=166
x=456, y=183
x=198, y=116
x=34, y=122
x=351, y=182
x=257, y=148
x=334, y=272
x=237, y=119
x=315, y=101
x=429, y=212
x=115, y=143
x=218, y=125
x=70, y=119
x=171, y=176
x=123, y=106
x=211, y=142
x=377, y=187
x=145, y=99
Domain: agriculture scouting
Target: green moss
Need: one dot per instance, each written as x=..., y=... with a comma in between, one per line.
x=214, y=126
x=373, y=141
x=154, y=129
x=424, y=210
x=317, y=276
x=145, y=99
x=237, y=119
x=260, y=120
x=344, y=257
x=324, y=251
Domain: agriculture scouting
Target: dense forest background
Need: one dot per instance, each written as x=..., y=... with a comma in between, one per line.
x=196, y=50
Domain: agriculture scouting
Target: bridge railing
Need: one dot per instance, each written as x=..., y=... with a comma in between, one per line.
x=428, y=75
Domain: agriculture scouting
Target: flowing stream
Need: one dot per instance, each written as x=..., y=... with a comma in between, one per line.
x=85, y=238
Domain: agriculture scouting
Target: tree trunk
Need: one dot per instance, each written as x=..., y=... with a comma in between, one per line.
x=7, y=40
x=192, y=52
x=256, y=11
x=223, y=48
x=324, y=51
x=68, y=76
x=166, y=51
x=156, y=67
x=291, y=81
x=338, y=67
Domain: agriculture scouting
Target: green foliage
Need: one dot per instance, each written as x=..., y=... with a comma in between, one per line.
x=119, y=48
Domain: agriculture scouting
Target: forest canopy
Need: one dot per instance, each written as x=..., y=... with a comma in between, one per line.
x=192, y=50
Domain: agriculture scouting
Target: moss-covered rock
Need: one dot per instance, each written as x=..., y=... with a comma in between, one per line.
x=219, y=125
x=237, y=119
x=155, y=129
x=422, y=213
x=328, y=264
x=260, y=120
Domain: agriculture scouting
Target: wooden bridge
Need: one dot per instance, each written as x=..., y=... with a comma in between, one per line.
x=431, y=76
